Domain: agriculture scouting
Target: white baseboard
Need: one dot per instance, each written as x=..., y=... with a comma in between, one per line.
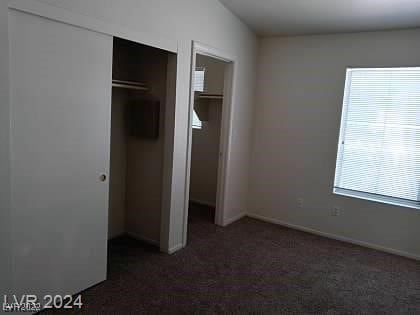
x=204, y=203
x=336, y=237
x=226, y=222
x=143, y=239
x=174, y=249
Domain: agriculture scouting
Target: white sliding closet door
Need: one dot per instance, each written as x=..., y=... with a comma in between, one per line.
x=61, y=100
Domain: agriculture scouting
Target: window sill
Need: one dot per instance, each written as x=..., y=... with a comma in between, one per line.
x=376, y=198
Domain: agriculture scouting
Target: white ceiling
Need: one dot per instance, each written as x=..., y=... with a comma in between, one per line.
x=295, y=17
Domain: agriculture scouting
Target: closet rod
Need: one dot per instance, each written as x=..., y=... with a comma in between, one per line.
x=129, y=85
x=211, y=96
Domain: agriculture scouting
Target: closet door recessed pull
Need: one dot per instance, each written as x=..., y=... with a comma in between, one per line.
x=102, y=177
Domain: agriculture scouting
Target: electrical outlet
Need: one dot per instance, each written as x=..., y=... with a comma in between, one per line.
x=336, y=212
x=300, y=202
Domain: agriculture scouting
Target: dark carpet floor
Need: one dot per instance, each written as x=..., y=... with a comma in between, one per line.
x=252, y=267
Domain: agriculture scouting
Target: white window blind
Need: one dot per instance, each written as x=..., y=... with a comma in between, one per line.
x=199, y=76
x=196, y=122
x=379, y=148
x=199, y=79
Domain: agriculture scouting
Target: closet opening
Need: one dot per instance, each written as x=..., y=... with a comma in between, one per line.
x=142, y=122
x=211, y=85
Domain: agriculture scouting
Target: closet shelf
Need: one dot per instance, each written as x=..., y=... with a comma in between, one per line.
x=211, y=96
x=131, y=85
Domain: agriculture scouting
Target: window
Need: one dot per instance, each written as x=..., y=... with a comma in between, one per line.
x=196, y=122
x=199, y=76
x=379, y=148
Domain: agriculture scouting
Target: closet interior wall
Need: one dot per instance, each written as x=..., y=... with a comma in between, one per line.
x=206, y=141
x=136, y=176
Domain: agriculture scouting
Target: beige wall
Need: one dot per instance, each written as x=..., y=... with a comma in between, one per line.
x=145, y=157
x=206, y=141
x=214, y=75
x=298, y=110
x=205, y=157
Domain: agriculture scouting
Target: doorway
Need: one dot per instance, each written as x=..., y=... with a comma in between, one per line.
x=209, y=136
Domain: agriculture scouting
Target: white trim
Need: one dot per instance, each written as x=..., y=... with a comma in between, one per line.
x=225, y=134
x=343, y=126
x=225, y=141
x=174, y=249
x=382, y=68
x=189, y=148
x=94, y=24
x=202, y=202
x=229, y=221
x=335, y=237
x=376, y=198
x=142, y=239
x=206, y=50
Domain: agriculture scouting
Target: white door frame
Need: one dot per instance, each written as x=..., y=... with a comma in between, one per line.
x=225, y=132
